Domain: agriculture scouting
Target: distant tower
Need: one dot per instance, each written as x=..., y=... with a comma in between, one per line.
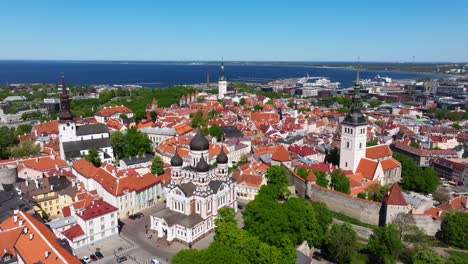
x=222, y=83
x=67, y=127
x=207, y=78
x=353, y=133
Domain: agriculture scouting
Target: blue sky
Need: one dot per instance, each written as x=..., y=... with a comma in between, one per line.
x=308, y=30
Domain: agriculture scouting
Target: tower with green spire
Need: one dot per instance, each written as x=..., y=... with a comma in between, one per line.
x=222, y=83
x=353, y=132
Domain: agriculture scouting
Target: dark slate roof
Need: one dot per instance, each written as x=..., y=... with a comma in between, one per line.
x=173, y=217
x=187, y=188
x=199, y=142
x=231, y=131
x=91, y=129
x=138, y=159
x=202, y=165
x=355, y=119
x=222, y=158
x=72, y=149
x=214, y=185
x=127, y=121
x=176, y=160
x=10, y=201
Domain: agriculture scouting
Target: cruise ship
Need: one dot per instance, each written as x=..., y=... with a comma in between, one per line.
x=317, y=82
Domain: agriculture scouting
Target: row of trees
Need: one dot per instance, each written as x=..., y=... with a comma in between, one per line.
x=9, y=146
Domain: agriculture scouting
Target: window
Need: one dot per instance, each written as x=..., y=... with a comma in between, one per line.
x=102, y=219
x=346, y=164
x=347, y=144
x=91, y=231
x=360, y=145
x=102, y=227
x=91, y=222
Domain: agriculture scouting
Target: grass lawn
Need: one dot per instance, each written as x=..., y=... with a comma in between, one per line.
x=459, y=254
x=350, y=220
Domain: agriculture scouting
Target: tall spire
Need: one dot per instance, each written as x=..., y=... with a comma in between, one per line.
x=65, y=112
x=355, y=117
x=221, y=78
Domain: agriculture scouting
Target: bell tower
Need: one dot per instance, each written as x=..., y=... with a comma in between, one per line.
x=67, y=126
x=222, y=83
x=353, y=133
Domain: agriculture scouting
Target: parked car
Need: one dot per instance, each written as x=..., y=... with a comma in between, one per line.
x=93, y=257
x=121, y=259
x=86, y=259
x=155, y=261
x=99, y=255
x=82, y=261
x=139, y=215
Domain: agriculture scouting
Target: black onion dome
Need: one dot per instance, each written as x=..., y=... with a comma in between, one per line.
x=202, y=166
x=176, y=160
x=222, y=158
x=199, y=142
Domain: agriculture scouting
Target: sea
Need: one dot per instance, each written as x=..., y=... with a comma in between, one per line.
x=166, y=74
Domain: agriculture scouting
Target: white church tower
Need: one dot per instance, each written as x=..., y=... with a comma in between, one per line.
x=353, y=133
x=222, y=83
x=67, y=126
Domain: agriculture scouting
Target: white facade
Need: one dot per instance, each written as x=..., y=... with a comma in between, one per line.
x=353, y=146
x=222, y=89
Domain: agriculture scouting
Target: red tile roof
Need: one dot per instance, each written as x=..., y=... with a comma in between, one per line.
x=457, y=203
x=378, y=152
x=43, y=240
x=47, y=128
x=109, y=111
x=367, y=168
x=73, y=232
x=250, y=180
x=389, y=164
x=8, y=240
x=95, y=209
x=394, y=196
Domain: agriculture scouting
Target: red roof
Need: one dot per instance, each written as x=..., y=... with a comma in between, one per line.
x=378, y=152
x=389, y=164
x=367, y=168
x=73, y=232
x=109, y=111
x=394, y=196
x=457, y=203
x=95, y=209
x=8, y=240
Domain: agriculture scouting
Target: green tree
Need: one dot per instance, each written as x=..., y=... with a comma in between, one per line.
x=216, y=131
x=456, y=126
x=321, y=178
x=362, y=195
x=371, y=143
x=415, y=144
x=7, y=139
x=339, y=181
x=302, y=172
x=333, y=156
x=23, y=129
x=427, y=257
x=157, y=167
x=414, y=178
x=277, y=177
x=93, y=157
x=243, y=159
x=341, y=242
x=257, y=108
x=198, y=120
x=292, y=105
x=270, y=102
x=385, y=244
x=26, y=148
x=214, y=254
x=118, y=143
x=454, y=229
x=374, y=103
x=154, y=116
x=242, y=101
x=123, y=116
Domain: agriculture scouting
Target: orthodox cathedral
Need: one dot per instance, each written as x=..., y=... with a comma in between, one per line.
x=195, y=194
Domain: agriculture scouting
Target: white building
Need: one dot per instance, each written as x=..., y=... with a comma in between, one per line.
x=94, y=222
x=158, y=134
x=196, y=192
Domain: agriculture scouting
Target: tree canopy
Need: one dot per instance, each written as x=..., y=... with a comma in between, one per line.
x=157, y=167
x=385, y=244
x=414, y=178
x=454, y=229
x=341, y=242
x=93, y=157
x=333, y=156
x=339, y=181
x=25, y=148
x=321, y=178
x=131, y=143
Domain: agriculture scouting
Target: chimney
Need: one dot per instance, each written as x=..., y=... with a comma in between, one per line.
x=15, y=219
x=51, y=187
x=27, y=182
x=37, y=183
x=47, y=253
x=20, y=222
x=31, y=236
x=25, y=230
x=15, y=212
x=37, y=159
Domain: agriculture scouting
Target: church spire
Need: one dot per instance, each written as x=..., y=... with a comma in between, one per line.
x=221, y=77
x=65, y=112
x=355, y=117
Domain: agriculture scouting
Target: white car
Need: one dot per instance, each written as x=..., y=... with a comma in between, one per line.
x=155, y=261
x=86, y=259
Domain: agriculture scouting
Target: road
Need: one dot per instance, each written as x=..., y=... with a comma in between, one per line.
x=362, y=232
